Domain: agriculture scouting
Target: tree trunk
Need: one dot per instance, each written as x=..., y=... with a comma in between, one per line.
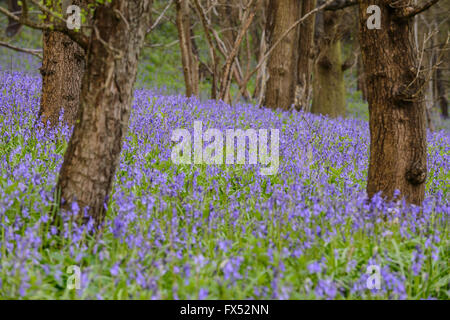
x=361, y=81
x=228, y=16
x=92, y=155
x=328, y=83
x=442, y=96
x=440, y=82
x=62, y=70
x=398, y=146
x=282, y=63
x=188, y=58
x=261, y=74
x=259, y=45
x=425, y=44
x=442, y=75
x=304, y=66
x=13, y=26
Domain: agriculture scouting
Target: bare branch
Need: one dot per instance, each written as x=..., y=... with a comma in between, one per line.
x=78, y=37
x=406, y=12
x=166, y=45
x=340, y=4
x=233, y=53
x=34, y=52
x=118, y=53
x=160, y=17
x=201, y=12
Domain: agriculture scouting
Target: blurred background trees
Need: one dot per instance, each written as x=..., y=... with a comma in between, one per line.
x=177, y=52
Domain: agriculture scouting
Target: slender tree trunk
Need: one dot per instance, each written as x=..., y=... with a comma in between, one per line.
x=259, y=46
x=228, y=16
x=398, y=146
x=256, y=34
x=13, y=26
x=261, y=75
x=93, y=152
x=425, y=44
x=361, y=81
x=304, y=66
x=441, y=93
x=62, y=70
x=442, y=74
x=282, y=64
x=328, y=83
x=188, y=58
x=442, y=96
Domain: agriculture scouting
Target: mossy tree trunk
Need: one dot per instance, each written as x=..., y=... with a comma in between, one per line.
x=304, y=65
x=282, y=63
x=328, y=79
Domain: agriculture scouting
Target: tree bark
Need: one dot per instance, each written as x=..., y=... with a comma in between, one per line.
x=328, y=82
x=228, y=16
x=442, y=96
x=398, y=146
x=282, y=64
x=304, y=65
x=361, y=81
x=62, y=70
x=188, y=58
x=259, y=46
x=425, y=44
x=93, y=152
x=442, y=74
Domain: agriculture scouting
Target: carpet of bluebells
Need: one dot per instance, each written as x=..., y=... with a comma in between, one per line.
x=208, y=232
